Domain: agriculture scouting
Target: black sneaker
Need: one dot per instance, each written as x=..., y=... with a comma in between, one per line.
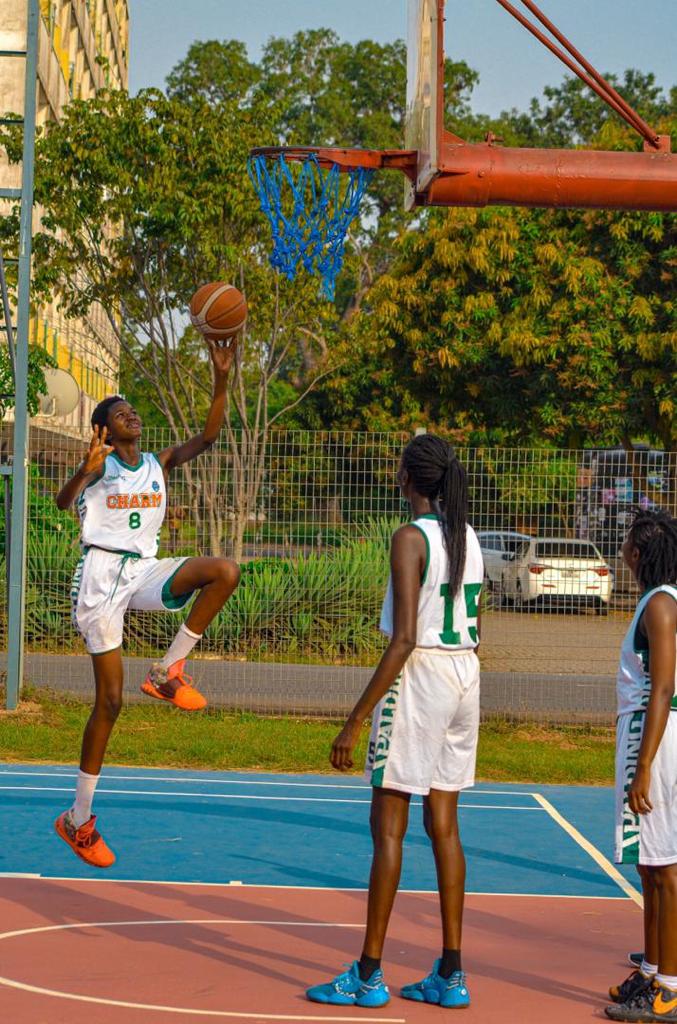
x=635, y=959
x=630, y=987
x=638, y=1008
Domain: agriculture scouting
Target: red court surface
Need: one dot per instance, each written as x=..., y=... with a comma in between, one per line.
x=152, y=953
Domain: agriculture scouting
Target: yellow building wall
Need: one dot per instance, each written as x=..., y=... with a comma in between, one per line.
x=89, y=377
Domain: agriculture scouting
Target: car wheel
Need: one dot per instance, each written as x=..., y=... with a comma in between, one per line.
x=518, y=600
x=602, y=608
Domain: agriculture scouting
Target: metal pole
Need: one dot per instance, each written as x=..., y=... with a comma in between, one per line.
x=8, y=530
x=17, y=555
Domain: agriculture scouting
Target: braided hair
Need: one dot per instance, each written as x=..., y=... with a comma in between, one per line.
x=100, y=414
x=436, y=473
x=654, y=534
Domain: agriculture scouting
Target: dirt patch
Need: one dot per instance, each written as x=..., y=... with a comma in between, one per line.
x=26, y=709
x=564, y=739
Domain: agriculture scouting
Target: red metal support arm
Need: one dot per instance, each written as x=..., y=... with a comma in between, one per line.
x=586, y=72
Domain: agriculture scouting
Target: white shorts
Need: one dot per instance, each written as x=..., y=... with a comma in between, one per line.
x=424, y=731
x=649, y=839
x=107, y=583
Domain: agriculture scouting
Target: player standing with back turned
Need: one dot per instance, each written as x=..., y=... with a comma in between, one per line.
x=120, y=494
x=646, y=766
x=425, y=728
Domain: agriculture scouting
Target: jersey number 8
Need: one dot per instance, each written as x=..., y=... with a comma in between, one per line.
x=135, y=520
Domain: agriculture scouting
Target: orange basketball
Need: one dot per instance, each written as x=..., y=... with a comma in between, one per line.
x=218, y=311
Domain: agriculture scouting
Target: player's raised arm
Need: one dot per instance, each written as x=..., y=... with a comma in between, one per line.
x=222, y=358
x=89, y=469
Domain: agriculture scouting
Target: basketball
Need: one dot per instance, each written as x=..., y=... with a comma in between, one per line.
x=218, y=311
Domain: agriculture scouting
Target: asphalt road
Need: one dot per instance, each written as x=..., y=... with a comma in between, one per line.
x=276, y=688
x=543, y=666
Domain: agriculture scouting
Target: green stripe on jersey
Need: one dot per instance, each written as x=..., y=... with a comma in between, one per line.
x=381, y=748
x=630, y=823
x=427, y=552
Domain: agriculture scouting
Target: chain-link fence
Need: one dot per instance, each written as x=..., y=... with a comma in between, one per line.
x=309, y=516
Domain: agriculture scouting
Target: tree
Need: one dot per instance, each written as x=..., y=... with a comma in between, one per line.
x=572, y=115
x=313, y=89
x=517, y=326
x=38, y=361
x=144, y=199
x=213, y=73
x=526, y=326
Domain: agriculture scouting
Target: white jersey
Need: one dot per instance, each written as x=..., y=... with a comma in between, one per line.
x=633, y=685
x=444, y=622
x=123, y=510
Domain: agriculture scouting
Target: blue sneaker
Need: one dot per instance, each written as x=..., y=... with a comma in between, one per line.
x=449, y=992
x=348, y=989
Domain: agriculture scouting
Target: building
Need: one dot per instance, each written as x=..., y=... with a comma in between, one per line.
x=83, y=47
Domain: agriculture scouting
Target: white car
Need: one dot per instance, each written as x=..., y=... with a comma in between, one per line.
x=560, y=570
x=498, y=548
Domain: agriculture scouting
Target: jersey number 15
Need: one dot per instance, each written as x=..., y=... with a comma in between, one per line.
x=471, y=592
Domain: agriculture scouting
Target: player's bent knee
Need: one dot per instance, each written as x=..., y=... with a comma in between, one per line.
x=227, y=572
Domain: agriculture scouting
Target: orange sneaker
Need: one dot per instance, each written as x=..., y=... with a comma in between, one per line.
x=84, y=841
x=171, y=684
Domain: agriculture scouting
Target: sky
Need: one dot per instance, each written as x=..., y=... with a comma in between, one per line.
x=613, y=34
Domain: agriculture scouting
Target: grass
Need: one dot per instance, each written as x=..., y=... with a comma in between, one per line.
x=48, y=728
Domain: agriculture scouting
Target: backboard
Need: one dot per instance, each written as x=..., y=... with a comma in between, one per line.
x=425, y=85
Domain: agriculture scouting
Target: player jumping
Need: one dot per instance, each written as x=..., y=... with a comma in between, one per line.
x=120, y=494
x=425, y=728
x=646, y=766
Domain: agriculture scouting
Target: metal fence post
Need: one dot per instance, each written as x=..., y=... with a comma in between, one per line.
x=17, y=555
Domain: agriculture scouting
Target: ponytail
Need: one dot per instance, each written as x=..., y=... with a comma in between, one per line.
x=437, y=474
x=454, y=515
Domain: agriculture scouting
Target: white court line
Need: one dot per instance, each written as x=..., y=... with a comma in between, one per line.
x=101, y=1001
x=238, y=782
x=597, y=855
x=247, y=796
x=185, y=1010
x=300, y=888
x=161, y=921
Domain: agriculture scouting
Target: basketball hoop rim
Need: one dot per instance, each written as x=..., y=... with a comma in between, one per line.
x=345, y=159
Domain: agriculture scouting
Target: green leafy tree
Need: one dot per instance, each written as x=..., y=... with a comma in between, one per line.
x=145, y=198
x=213, y=72
x=517, y=326
x=38, y=361
x=313, y=89
x=570, y=114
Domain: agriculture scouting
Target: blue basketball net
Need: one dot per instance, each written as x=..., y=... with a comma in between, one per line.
x=310, y=211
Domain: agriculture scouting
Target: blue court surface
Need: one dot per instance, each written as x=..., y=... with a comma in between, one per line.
x=306, y=831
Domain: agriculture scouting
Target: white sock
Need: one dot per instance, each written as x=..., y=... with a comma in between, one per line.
x=648, y=970
x=81, y=810
x=182, y=644
x=667, y=981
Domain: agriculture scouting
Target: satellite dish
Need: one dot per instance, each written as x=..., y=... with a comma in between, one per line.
x=63, y=393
